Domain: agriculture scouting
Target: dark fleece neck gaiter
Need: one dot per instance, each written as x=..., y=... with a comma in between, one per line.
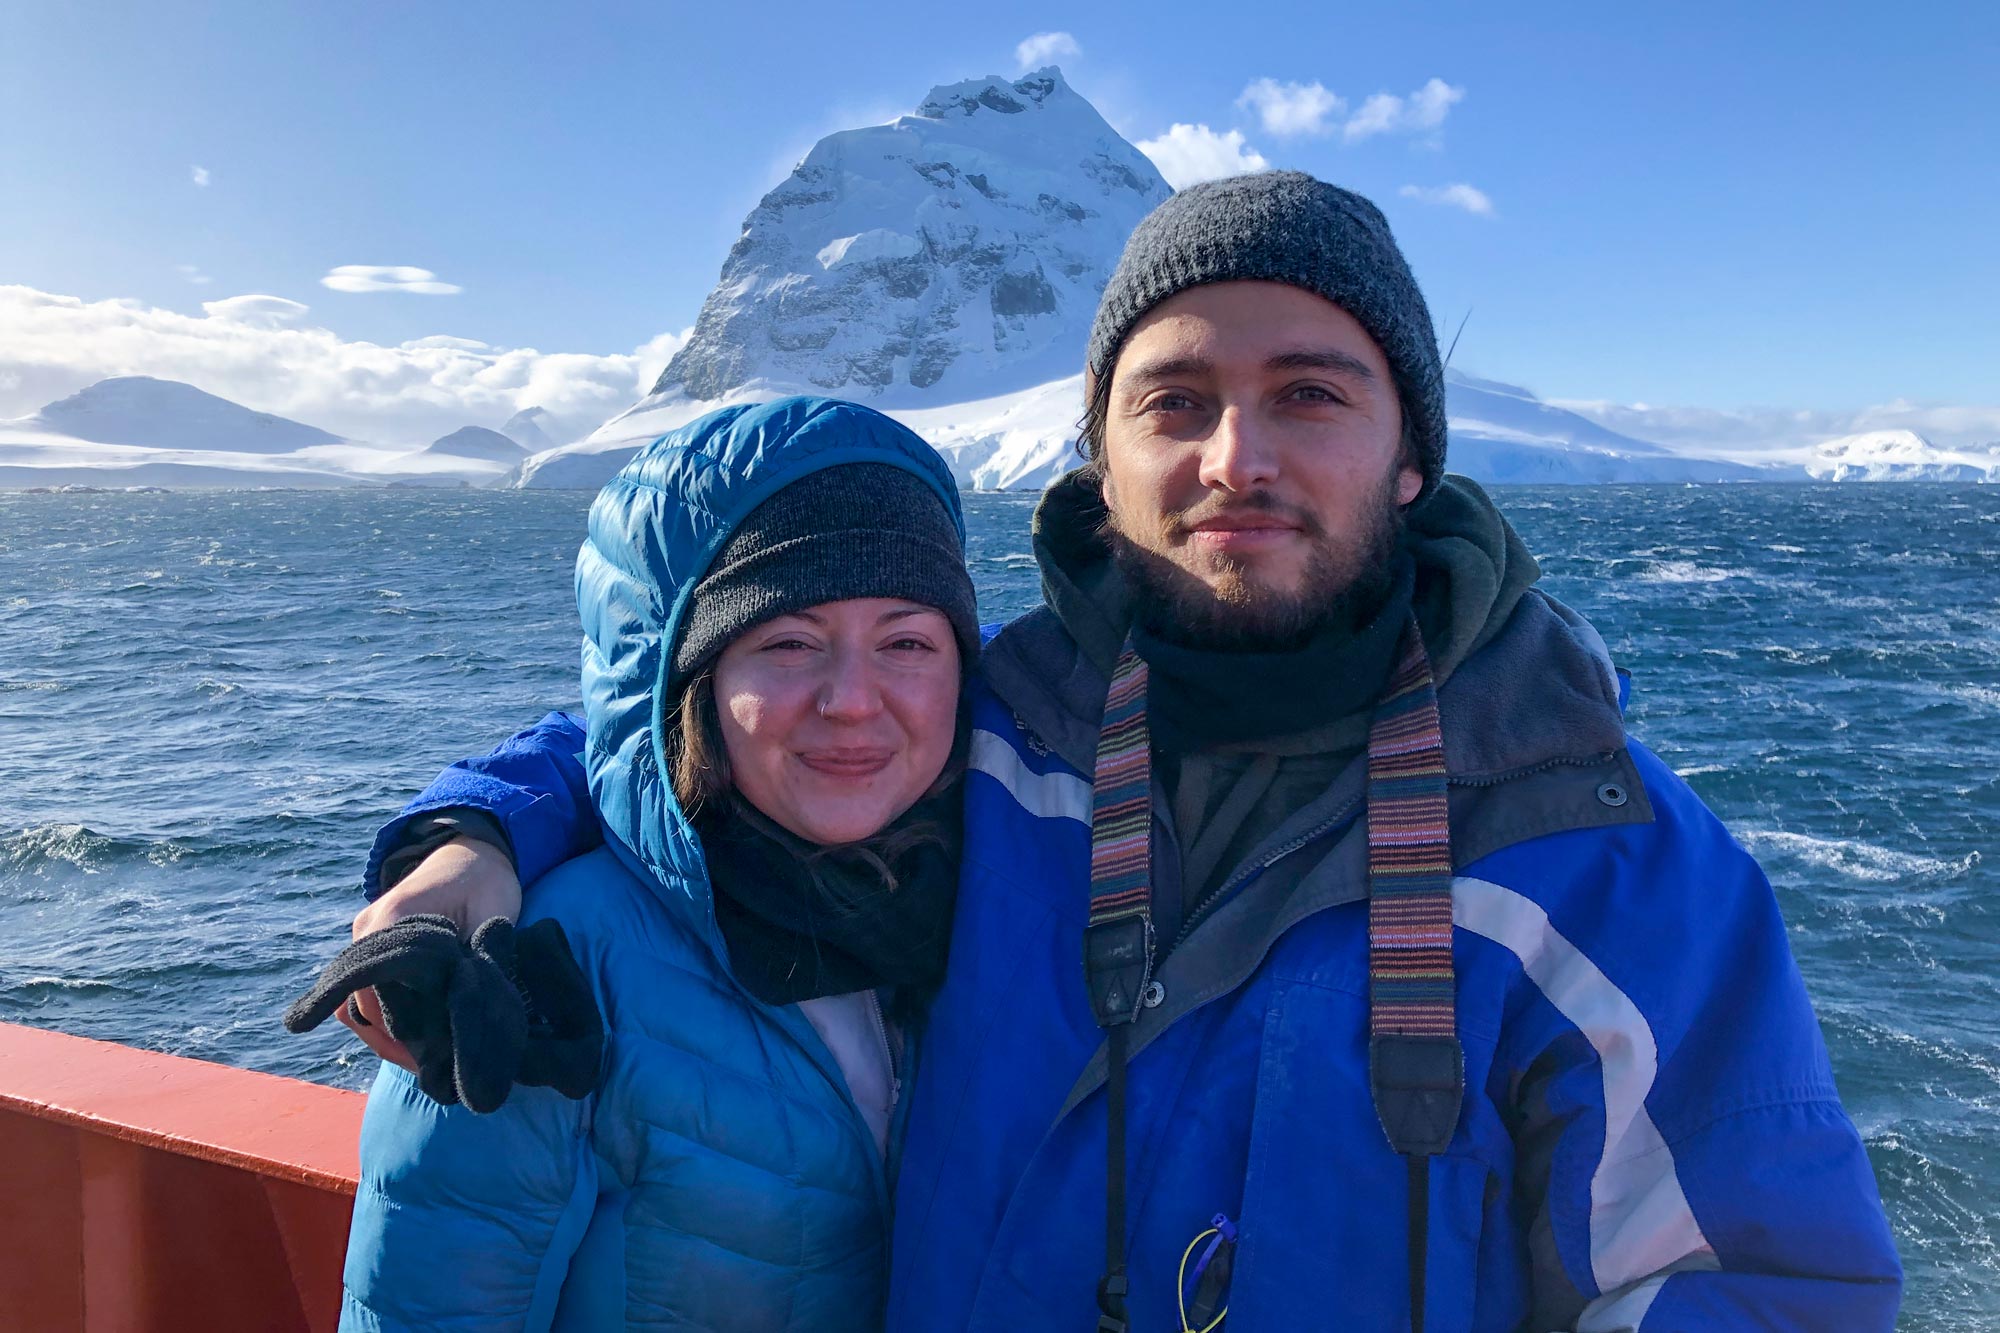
x=802, y=921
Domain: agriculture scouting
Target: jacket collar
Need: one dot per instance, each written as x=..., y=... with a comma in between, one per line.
x=1542, y=690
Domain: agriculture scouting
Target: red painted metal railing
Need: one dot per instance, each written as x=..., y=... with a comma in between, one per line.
x=146, y=1193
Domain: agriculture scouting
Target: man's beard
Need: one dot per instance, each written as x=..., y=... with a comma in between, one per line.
x=1341, y=587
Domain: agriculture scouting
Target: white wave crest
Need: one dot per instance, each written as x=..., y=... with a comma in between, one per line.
x=1684, y=571
x=1856, y=859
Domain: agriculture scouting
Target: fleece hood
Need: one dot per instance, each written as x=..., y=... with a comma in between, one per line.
x=654, y=531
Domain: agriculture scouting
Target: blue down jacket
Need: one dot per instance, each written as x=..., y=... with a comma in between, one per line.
x=721, y=1177
x=1651, y=1138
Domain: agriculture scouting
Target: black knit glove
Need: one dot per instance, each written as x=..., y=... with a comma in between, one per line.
x=478, y=1016
x=565, y=1036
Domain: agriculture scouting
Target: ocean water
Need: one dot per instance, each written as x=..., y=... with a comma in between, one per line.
x=209, y=700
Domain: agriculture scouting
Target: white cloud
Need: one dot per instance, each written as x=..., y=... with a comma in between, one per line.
x=259, y=312
x=1188, y=154
x=655, y=352
x=193, y=274
x=1288, y=109
x=445, y=342
x=1292, y=108
x=387, y=278
x=199, y=175
x=263, y=352
x=1045, y=48
x=1386, y=113
x=1460, y=195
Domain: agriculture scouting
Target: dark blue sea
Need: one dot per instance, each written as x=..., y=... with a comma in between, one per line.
x=209, y=700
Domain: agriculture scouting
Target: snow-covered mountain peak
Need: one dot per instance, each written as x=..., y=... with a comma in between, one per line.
x=530, y=428
x=948, y=255
x=993, y=93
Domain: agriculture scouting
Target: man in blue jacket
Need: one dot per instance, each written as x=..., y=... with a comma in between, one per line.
x=1326, y=953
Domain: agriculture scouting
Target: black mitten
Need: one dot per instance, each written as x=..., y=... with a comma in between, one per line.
x=565, y=1032
x=489, y=1025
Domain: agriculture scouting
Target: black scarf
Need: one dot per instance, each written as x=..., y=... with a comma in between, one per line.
x=1209, y=696
x=802, y=921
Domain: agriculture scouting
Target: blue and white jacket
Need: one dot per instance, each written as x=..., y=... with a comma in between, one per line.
x=1650, y=1140
x=721, y=1176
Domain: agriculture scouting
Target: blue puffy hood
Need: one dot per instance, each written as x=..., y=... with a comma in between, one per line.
x=654, y=530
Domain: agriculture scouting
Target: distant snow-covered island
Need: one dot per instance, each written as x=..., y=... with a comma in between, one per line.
x=944, y=268
x=135, y=431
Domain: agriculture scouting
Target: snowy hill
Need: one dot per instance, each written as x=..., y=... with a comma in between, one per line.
x=1899, y=455
x=952, y=254
x=478, y=444
x=165, y=414
x=1503, y=433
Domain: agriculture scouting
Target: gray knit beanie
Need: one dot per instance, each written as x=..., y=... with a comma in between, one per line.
x=1285, y=226
x=852, y=530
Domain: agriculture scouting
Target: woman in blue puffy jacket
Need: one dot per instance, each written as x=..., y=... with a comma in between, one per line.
x=777, y=620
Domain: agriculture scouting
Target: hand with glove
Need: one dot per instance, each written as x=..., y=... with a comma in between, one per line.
x=468, y=879
x=477, y=1016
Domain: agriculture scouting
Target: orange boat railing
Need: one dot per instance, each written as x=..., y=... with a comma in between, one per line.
x=146, y=1193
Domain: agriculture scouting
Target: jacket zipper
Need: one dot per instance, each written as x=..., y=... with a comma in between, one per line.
x=1236, y=880
x=888, y=1049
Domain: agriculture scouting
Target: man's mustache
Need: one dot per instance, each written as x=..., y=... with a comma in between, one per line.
x=1178, y=523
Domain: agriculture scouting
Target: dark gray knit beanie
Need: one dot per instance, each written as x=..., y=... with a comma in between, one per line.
x=852, y=530
x=1285, y=226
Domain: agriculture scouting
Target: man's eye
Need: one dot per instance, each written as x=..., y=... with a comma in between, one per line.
x=1171, y=402
x=1315, y=393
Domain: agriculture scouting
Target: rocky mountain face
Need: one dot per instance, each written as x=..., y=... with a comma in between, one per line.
x=949, y=255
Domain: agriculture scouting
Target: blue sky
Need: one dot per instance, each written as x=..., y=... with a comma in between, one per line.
x=1713, y=205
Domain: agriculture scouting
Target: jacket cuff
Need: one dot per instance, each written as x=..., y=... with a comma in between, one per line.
x=423, y=834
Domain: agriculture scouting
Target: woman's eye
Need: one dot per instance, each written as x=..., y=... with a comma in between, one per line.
x=912, y=645
x=784, y=645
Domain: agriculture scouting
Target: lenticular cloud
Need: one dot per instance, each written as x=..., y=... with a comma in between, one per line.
x=387, y=278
